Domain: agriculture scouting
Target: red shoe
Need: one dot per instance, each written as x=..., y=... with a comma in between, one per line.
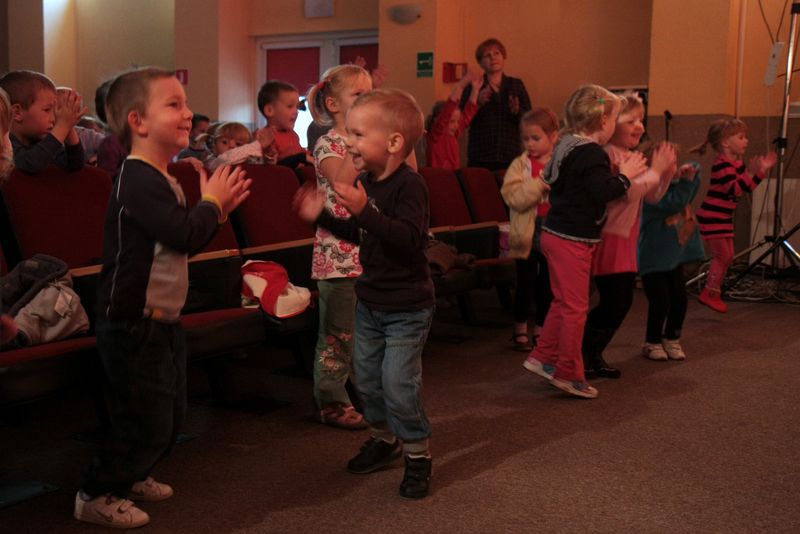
x=712, y=299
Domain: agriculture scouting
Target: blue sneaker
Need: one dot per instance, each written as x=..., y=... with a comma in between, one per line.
x=579, y=389
x=545, y=370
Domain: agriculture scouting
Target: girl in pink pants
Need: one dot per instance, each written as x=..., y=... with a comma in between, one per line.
x=581, y=183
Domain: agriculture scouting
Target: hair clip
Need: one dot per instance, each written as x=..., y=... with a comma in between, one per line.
x=321, y=85
x=601, y=100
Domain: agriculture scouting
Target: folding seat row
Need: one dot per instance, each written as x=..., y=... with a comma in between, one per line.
x=466, y=210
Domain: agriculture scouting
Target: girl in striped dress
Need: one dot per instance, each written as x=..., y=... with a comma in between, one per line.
x=730, y=179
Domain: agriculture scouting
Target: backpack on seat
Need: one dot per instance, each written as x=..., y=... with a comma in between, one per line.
x=268, y=283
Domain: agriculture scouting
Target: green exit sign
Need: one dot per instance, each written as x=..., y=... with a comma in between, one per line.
x=424, y=64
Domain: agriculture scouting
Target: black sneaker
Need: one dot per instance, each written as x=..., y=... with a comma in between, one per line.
x=417, y=478
x=599, y=368
x=374, y=454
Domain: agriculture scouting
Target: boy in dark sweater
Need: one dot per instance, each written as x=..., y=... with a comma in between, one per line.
x=43, y=122
x=149, y=234
x=389, y=204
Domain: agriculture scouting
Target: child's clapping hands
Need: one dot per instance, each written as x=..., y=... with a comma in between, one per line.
x=761, y=164
x=69, y=110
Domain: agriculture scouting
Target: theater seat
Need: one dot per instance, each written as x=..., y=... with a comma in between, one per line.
x=59, y=213
x=482, y=195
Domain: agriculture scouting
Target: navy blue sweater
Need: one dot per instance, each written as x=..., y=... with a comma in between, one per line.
x=393, y=234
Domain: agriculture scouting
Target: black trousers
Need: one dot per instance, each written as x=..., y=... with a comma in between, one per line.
x=616, y=298
x=667, y=304
x=533, y=283
x=145, y=364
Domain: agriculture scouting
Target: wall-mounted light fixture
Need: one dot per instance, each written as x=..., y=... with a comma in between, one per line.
x=404, y=13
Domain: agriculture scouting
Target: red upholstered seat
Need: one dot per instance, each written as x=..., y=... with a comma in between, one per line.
x=448, y=207
x=189, y=179
x=267, y=216
x=306, y=174
x=482, y=194
x=60, y=213
x=13, y=357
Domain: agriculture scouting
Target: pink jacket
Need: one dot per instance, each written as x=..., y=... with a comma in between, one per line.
x=616, y=252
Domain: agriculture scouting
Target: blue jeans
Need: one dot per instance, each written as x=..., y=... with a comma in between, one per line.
x=388, y=367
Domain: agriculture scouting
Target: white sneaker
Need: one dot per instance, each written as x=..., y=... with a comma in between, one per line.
x=654, y=351
x=110, y=511
x=673, y=349
x=150, y=490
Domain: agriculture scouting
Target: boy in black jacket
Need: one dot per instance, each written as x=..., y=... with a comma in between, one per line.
x=149, y=234
x=43, y=122
x=389, y=204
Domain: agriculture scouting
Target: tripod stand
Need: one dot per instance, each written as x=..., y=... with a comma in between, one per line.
x=780, y=242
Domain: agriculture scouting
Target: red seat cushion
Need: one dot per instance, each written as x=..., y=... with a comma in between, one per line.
x=12, y=357
x=483, y=195
x=448, y=206
x=200, y=319
x=60, y=213
x=267, y=215
x=184, y=172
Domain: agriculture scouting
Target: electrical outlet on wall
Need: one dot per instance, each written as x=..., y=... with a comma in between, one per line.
x=772, y=63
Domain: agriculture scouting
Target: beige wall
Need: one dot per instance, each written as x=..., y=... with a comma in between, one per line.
x=61, y=46
x=693, y=58
x=236, y=62
x=216, y=41
x=398, y=47
x=196, y=44
x=553, y=45
x=756, y=98
x=25, y=26
x=116, y=35
x=274, y=17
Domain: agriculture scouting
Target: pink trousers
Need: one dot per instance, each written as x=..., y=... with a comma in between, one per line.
x=721, y=250
x=559, y=344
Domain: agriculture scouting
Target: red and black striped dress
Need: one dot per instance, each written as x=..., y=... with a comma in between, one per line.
x=729, y=181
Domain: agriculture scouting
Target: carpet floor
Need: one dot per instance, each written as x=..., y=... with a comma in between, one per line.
x=705, y=445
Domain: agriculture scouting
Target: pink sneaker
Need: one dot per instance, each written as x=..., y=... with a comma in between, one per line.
x=151, y=491
x=713, y=299
x=110, y=511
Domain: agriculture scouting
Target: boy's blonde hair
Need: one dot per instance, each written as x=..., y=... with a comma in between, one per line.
x=23, y=86
x=130, y=91
x=334, y=81
x=720, y=130
x=399, y=112
x=541, y=117
x=587, y=106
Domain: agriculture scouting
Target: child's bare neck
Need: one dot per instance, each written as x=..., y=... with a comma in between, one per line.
x=338, y=125
x=392, y=164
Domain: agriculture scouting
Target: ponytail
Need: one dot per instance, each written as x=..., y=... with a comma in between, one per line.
x=316, y=103
x=701, y=148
